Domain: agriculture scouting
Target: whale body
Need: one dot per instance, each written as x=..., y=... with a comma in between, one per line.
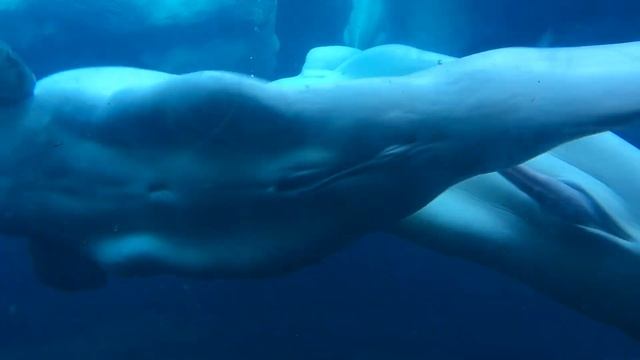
x=565, y=223
x=212, y=174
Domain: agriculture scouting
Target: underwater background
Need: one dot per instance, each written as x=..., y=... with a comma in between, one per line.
x=379, y=299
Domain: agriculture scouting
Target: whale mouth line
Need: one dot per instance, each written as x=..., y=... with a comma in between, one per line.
x=314, y=179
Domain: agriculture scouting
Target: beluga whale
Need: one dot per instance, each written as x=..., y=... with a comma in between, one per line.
x=565, y=223
x=212, y=174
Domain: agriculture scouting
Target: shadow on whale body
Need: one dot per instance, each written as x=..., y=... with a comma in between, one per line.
x=211, y=174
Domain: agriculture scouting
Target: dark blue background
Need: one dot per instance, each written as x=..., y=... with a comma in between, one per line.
x=380, y=299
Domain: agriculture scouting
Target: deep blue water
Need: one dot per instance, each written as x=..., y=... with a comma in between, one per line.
x=382, y=298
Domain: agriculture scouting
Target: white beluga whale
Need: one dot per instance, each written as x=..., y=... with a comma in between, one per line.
x=565, y=223
x=210, y=174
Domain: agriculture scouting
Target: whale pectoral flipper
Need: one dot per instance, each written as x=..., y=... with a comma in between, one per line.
x=65, y=268
x=566, y=201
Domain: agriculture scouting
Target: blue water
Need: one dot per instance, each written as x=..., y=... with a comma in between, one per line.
x=379, y=299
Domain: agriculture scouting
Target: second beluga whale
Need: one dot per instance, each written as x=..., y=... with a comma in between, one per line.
x=566, y=223
x=127, y=171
